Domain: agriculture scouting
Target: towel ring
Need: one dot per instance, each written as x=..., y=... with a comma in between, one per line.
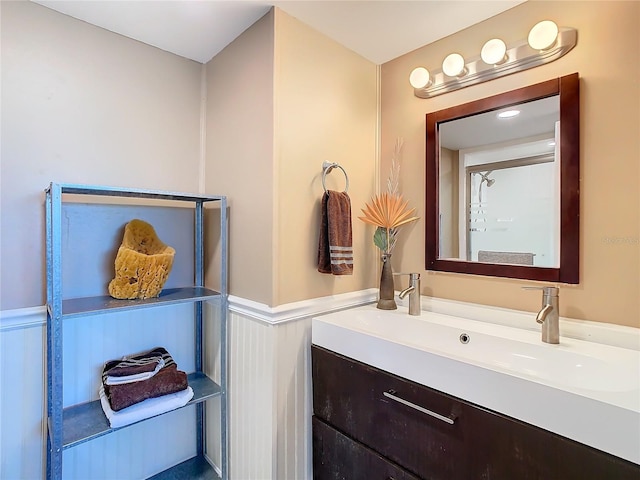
x=326, y=168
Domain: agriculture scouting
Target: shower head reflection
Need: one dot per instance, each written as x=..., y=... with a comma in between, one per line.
x=486, y=179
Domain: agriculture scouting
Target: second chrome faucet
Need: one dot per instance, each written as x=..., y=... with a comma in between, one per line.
x=548, y=315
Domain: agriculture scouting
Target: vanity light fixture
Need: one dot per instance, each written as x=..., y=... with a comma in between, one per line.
x=545, y=43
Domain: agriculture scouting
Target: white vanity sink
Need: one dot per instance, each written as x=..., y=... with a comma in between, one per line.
x=582, y=390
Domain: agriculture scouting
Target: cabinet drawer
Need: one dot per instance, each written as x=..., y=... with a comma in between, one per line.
x=351, y=396
x=338, y=457
x=479, y=444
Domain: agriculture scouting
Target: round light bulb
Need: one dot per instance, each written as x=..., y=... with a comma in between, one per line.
x=420, y=78
x=453, y=65
x=494, y=52
x=543, y=35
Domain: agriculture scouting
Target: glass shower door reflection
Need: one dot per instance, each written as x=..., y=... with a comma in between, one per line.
x=511, y=216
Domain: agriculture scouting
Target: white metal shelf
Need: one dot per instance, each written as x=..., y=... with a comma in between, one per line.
x=134, y=193
x=196, y=468
x=86, y=421
x=76, y=307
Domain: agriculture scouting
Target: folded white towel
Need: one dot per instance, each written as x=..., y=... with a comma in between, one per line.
x=145, y=409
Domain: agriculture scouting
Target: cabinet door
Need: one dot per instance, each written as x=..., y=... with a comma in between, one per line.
x=338, y=457
x=525, y=452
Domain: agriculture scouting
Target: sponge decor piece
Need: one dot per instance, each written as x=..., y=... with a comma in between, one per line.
x=142, y=264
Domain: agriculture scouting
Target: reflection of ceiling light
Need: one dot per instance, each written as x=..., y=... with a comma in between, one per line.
x=420, y=78
x=453, y=65
x=543, y=35
x=494, y=52
x=552, y=144
x=508, y=113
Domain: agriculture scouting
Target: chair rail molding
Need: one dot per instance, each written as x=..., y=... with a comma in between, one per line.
x=23, y=318
x=303, y=309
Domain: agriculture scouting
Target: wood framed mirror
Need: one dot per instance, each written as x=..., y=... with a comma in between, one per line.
x=505, y=201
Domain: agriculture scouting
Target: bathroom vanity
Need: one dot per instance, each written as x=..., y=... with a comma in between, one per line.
x=370, y=423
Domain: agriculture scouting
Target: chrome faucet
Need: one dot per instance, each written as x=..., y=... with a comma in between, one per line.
x=548, y=315
x=413, y=290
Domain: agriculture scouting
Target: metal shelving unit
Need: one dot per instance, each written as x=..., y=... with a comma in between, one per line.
x=71, y=426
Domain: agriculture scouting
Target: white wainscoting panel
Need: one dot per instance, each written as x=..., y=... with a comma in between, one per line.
x=269, y=399
x=270, y=385
x=136, y=452
x=251, y=401
x=294, y=407
x=90, y=341
x=212, y=369
x=22, y=399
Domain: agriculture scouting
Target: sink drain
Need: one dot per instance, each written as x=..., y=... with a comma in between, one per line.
x=464, y=338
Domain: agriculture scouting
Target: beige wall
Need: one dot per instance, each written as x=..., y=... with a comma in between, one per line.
x=607, y=59
x=325, y=109
x=239, y=154
x=81, y=104
x=281, y=99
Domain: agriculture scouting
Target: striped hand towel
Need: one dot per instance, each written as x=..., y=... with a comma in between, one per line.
x=335, y=247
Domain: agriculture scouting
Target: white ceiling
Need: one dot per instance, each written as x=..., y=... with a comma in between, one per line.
x=198, y=29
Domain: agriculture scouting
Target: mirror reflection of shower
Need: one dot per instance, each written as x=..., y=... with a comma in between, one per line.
x=478, y=206
x=484, y=179
x=509, y=208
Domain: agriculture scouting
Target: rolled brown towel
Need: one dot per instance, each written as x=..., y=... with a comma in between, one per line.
x=133, y=365
x=167, y=380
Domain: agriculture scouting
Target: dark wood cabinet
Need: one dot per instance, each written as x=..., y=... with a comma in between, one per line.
x=435, y=436
x=338, y=457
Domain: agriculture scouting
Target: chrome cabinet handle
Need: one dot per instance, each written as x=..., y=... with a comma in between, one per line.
x=450, y=419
